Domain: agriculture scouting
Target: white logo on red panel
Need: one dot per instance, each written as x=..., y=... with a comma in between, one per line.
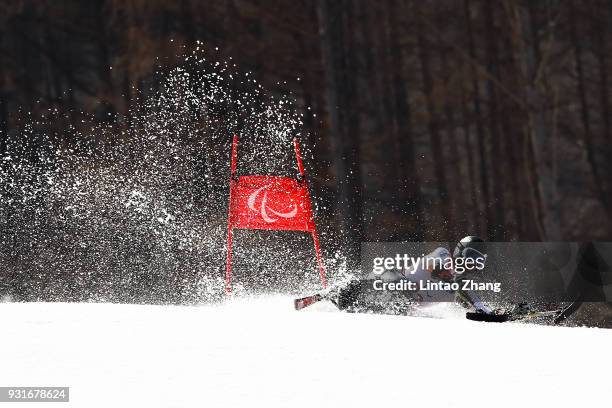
x=268, y=213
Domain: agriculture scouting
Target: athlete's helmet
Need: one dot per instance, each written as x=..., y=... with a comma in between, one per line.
x=470, y=247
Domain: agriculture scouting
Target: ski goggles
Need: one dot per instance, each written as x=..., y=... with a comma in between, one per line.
x=471, y=253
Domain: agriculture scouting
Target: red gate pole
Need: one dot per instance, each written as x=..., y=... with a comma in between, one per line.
x=230, y=231
x=315, y=237
x=298, y=156
x=228, y=265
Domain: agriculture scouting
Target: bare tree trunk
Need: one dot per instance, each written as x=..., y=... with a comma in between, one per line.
x=189, y=26
x=604, y=90
x=28, y=83
x=515, y=142
x=380, y=124
x=306, y=82
x=103, y=54
x=480, y=133
x=4, y=125
x=47, y=38
x=525, y=185
x=337, y=61
x=496, y=204
x=387, y=115
x=409, y=174
x=603, y=79
x=456, y=194
x=584, y=111
x=540, y=139
x=512, y=142
x=376, y=102
x=436, y=140
x=474, y=224
x=4, y=129
x=127, y=82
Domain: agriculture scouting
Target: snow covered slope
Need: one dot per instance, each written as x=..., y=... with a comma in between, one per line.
x=260, y=353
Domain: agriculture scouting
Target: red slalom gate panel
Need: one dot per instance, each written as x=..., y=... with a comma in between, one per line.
x=269, y=203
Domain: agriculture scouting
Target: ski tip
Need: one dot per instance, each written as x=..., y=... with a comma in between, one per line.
x=300, y=304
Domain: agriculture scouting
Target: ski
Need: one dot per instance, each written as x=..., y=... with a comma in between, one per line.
x=510, y=317
x=307, y=301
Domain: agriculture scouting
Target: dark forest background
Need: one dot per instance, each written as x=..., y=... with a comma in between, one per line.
x=429, y=119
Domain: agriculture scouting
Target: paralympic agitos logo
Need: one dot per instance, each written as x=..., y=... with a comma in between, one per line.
x=268, y=214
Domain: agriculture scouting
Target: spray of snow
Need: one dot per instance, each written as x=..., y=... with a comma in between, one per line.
x=133, y=208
